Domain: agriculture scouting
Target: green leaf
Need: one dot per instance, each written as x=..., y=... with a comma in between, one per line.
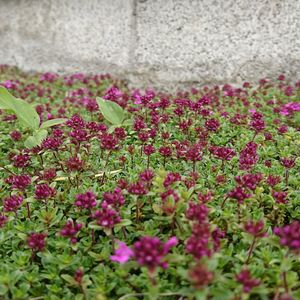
x=36, y=139
x=53, y=122
x=127, y=122
x=3, y=289
x=157, y=208
x=111, y=111
x=96, y=256
x=79, y=297
x=94, y=226
x=112, y=128
x=85, y=282
x=69, y=279
x=26, y=114
x=297, y=118
x=6, y=99
x=124, y=222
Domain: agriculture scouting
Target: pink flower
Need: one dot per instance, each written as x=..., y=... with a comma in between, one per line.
x=224, y=153
x=70, y=230
x=151, y=252
x=122, y=254
x=21, y=160
x=289, y=235
x=137, y=97
x=200, y=276
x=256, y=229
x=113, y=94
x=248, y=282
x=289, y=108
x=147, y=251
x=114, y=199
x=3, y=220
x=19, y=182
x=107, y=217
x=12, y=203
x=172, y=242
x=171, y=178
x=36, y=241
x=10, y=84
x=86, y=200
x=16, y=135
x=212, y=125
x=197, y=212
x=137, y=188
x=44, y=191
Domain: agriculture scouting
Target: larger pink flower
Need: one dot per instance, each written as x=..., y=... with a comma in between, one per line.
x=289, y=108
x=122, y=254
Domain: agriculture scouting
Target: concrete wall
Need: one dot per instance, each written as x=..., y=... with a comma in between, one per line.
x=154, y=42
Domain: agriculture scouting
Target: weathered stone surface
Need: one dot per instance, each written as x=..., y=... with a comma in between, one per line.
x=217, y=40
x=63, y=35
x=155, y=42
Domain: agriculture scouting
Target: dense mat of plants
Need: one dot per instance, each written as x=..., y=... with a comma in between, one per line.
x=144, y=195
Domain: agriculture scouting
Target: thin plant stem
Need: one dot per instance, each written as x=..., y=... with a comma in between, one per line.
x=285, y=284
x=224, y=201
x=137, y=211
x=28, y=211
x=27, y=206
x=223, y=165
x=9, y=171
x=286, y=177
x=41, y=160
x=112, y=242
x=251, y=250
x=124, y=233
x=93, y=237
x=55, y=154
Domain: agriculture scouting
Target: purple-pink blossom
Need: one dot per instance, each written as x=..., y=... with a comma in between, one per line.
x=147, y=251
x=122, y=254
x=289, y=108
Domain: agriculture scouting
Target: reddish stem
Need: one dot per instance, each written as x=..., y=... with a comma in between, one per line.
x=223, y=203
x=255, y=134
x=137, y=211
x=286, y=287
x=28, y=211
x=93, y=237
x=251, y=250
x=286, y=177
x=194, y=166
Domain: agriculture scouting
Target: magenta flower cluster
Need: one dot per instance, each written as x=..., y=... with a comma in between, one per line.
x=147, y=251
x=289, y=235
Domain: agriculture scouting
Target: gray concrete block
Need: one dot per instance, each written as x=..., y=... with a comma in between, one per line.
x=63, y=35
x=161, y=43
x=217, y=40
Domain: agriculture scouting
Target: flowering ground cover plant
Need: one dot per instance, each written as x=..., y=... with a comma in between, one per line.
x=126, y=194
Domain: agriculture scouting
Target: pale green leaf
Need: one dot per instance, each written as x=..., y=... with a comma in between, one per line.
x=53, y=122
x=26, y=114
x=36, y=139
x=111, y=111
x=69, y=279
x=6, y=98
x=127, y=122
